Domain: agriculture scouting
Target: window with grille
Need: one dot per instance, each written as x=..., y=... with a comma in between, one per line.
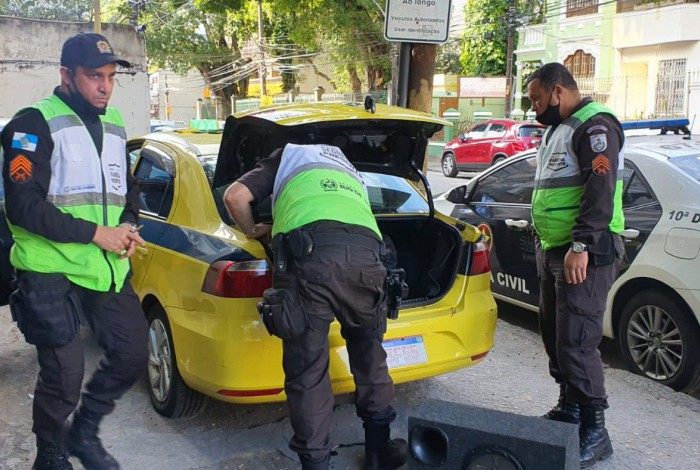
x=670, y=88
x=581, y=7
x=580, y=64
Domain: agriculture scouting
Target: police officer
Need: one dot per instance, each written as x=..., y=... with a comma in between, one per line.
x=577, y=213
x=72, y=208
x=325, y=229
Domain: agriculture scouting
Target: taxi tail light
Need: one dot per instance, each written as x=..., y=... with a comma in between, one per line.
x=480, y=262
x=237, y=279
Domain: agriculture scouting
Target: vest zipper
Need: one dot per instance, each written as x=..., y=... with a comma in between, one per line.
x=104, y=204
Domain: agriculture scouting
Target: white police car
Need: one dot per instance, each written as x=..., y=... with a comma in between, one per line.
x=654, y=305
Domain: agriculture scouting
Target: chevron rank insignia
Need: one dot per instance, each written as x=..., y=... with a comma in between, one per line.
x=20, y=169
x=601, y=165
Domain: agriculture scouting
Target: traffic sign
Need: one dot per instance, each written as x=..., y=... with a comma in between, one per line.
x=417, y=21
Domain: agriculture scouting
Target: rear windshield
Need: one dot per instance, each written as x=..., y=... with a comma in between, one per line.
x=529, y=131
x=689, y=164
x=390, y=194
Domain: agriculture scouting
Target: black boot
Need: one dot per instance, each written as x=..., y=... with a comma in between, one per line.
x=307, y=464
x=51, y=457
x=595, y=443
x=82, y=441
x=382, y=453
x=563, y=411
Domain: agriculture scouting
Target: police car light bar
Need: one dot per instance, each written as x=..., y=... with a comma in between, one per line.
x=675, y=125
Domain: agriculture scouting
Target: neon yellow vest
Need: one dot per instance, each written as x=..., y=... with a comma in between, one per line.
x=85, y=185
x=556, y=199
x=316, y=182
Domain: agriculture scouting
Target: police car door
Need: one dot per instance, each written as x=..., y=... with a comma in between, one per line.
x=502, y=201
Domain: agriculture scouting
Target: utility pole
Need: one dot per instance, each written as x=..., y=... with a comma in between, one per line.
x=98, y=16
x=510, y=18
x=420, y=77
x=263, y=88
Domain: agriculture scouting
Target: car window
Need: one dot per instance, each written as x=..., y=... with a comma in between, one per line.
x=390, y=194
x=529, y=131
x=510, y=184
x=156, y=181
x=477, y=132
x=689, y=164
x=496, y=130
x=209, y=165
x=635, y=190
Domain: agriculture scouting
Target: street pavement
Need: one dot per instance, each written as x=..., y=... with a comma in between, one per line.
x=651, y=426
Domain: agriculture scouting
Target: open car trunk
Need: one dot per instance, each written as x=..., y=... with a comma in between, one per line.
x=429, y=250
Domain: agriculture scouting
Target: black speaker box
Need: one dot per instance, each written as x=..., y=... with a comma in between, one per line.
x=454, y=436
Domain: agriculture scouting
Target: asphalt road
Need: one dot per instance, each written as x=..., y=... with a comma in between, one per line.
x=651, y=426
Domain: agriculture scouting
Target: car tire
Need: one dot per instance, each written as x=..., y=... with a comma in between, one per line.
x=660, y=339
x=170, y=396
x=449, y=165
x=498, y=160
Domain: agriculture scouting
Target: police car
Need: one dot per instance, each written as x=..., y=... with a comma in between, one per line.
x=653, y=307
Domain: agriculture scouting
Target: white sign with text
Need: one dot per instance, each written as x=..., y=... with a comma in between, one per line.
x=417, y=20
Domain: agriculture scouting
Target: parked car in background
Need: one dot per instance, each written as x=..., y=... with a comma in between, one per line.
x=488, y=143
x=158, y=125
x=653, y=308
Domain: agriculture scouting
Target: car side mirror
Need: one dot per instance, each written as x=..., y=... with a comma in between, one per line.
x=457, y=195
x=464, y=137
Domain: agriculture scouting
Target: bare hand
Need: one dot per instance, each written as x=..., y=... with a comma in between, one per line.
x=575, y=265
x=262, y=233
x=120, y=240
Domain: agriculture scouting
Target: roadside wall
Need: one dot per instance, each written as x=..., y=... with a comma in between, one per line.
x=30, y=51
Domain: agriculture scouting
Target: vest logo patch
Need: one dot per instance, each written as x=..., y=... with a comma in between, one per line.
x=599, y=142
x=115, y=175
x=329, y=185
x=557, y=161
x=20, y=169
x=601, y=165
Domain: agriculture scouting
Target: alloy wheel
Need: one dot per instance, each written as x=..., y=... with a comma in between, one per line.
x=447, y=165
x=159, y=360
x=655, y=343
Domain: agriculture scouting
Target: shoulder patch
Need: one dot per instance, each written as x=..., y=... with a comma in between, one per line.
x=599, y=142
x=601, y=165
x=26, y=142
x=598, y=127
x=20, y=169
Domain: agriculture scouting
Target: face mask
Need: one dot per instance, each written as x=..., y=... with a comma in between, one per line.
x=80, y=104
x=550, y=116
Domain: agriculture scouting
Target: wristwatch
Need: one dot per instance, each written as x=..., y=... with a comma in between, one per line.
x=579, y=247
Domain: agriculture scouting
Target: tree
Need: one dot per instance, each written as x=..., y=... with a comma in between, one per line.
x=447, y=58
x=486, y=33
x=206, y=35
x=349, y=32
x=59, y=10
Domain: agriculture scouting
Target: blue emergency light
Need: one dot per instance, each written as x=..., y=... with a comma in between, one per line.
x=675, y=125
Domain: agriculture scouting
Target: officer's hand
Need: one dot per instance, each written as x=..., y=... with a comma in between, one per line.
x=116, y=239
x=262, y=233
x=575, y=265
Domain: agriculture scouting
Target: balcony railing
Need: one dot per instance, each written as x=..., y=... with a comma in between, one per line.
x=532, y=36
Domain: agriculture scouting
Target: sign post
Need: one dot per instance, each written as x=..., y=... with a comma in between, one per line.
x=419, y=25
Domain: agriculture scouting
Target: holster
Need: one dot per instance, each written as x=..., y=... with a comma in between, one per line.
x=282, y=314
x=396, y=288
x=46, y=308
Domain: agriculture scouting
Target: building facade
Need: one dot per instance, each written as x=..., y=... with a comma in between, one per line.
x=640, y=57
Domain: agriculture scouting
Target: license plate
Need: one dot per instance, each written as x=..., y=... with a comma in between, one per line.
x=405, y=352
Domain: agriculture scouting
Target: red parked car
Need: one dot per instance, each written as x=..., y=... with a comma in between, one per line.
x=488, y=143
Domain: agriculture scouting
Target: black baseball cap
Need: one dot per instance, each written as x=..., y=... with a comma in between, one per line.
x=89, y=50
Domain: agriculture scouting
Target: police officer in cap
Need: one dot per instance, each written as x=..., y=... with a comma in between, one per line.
x=72, y=208
x=328, y=256
x=577, y=213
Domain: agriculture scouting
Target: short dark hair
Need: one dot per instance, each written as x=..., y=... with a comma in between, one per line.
x=553, y=74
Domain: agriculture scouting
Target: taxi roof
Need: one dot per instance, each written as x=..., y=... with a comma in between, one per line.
x=297, y=114
x=203, y=142
x=664, y=146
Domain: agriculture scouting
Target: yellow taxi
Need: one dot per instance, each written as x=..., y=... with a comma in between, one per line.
x=199, y=278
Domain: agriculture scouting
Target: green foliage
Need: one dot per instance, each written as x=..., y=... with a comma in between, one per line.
x=447, y=58
x=485, y=37
x=59, y=10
